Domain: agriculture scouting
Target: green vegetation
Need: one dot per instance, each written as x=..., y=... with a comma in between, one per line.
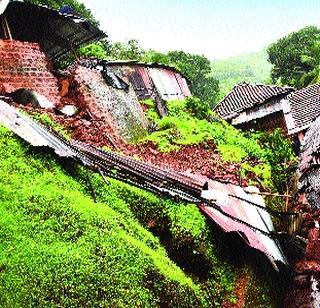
x=60, y=249
x=280, y=155
x=267, y=156
x=181, y=127
x=295, y=57
x=249, y=67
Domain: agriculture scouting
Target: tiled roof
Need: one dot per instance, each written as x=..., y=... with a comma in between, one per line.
x=309, y=166
x=244, y=96
x=305, y=106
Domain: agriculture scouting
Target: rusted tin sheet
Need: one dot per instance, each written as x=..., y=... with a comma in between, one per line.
x=234, y=202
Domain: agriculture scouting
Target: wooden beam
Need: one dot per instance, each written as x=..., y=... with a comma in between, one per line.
x=6, y=28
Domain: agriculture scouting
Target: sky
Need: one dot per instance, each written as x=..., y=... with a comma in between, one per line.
x=215, y=28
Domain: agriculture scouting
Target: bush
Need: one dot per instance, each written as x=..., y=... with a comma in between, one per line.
x=197, y=108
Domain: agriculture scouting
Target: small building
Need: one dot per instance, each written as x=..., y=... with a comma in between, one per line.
x=255, y=106
x=266, y=107
x=309, y=166
x=146, y=78
x=152, y=80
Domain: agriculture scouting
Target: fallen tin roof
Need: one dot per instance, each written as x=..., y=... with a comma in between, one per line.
x=304, y=106
x=244, y=96
x=230, y=206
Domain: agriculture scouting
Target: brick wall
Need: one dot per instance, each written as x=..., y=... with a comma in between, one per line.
x=118, y=111
x=24, y=65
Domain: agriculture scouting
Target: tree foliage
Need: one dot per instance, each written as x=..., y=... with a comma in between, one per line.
x=291, y=56
x=197, y=69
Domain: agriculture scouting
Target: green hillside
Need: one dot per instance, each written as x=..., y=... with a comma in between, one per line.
x=61, y=245
x=249, y=67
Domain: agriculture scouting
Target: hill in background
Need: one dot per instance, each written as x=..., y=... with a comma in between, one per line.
x=249, y=67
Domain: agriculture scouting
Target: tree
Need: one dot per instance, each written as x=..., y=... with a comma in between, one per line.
x=197, y=69
x=312, y=76
x=289, y=53
x=125, y=51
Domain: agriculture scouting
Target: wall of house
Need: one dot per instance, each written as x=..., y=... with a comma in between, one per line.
x=267, y=123
x=138, y=77
x=119, y=112
x=24, y=65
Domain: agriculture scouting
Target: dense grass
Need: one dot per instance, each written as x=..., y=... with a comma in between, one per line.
x=58, y=248
x=130, y=248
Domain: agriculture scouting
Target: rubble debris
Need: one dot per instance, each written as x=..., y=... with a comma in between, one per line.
x=114, y=108
x=305, y=290
x=237, y=211
x=26, y=96
x=69, y=110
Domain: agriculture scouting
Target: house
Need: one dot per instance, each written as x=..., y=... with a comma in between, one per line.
x=152, y=80
x=265, y=107
x=309, y=166
x=254, y=106
x=147, y=78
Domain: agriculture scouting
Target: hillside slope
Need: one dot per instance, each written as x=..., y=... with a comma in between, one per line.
x=248, y=67
x=61, y=249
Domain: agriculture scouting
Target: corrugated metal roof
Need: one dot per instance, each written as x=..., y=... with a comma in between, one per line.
x=244, y=96
x=146, y=64
x=305, y=107
x=57, y=33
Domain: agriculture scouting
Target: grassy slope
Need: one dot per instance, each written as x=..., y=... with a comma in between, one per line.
x=250, y=67
x=60, y=249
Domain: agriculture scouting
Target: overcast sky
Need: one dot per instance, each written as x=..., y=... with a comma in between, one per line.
x=216, y=28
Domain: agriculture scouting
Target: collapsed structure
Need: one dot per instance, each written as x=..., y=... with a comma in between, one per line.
x=153, y=81
x=24, y=65
x=266, y=107
x=109, y=101
x=107, y=94
x=230, y=206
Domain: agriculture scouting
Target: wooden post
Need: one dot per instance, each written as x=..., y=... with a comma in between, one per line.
x=5, y=27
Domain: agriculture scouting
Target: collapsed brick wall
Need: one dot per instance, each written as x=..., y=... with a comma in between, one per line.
x=119, y=111
x=24, y=65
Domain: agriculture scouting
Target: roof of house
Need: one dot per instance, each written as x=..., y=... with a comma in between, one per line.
x=305, y=106
x=244, y=96
x=309, y=166
x=146, y=64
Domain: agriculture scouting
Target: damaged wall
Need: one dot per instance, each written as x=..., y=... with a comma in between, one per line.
x=24, y=65
x=118, y=109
